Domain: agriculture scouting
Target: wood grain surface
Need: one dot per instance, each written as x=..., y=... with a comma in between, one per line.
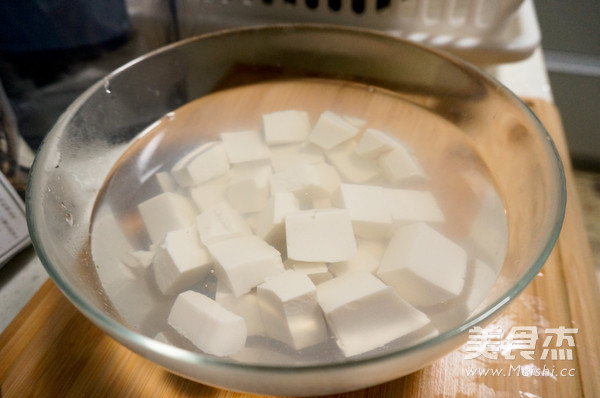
x=51, y=350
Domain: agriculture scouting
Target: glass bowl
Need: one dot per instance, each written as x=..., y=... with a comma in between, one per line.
x=80, y=151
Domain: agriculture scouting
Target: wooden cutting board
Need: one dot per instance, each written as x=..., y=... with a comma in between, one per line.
x=51, y=350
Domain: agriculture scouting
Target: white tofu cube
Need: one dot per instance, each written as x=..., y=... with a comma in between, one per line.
x=322, y=203
x=248, y=191
x=317, y=272
x=210, y=193
x=286, y=156
x=355, y=121
x=307, y=180
x=221, y=221
x=245, y=306
x=207, y=324
x=351, y=166
x=139, y=258
x=182, y=261
x=208, y=162
x=165, y=182
x=399, y=165
x=373, y=143
x=271, y=221
x=368, y=257
x=488, y=233
x=425, y=267
x=245, y=146
x=245, y=262
x=408, y=206
x=289, y=309
x=320, y=235
x=371, y=218
x=166, y=212
x=481, y=285
x=364, y=313
x=285, y=127
x=331, y=130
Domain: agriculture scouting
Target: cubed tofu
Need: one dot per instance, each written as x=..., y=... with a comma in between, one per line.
x=488, y=233
x=208, y=162
x=245, y=262
x=207, y=324
x=245, y=306
x=320, y=235
x=399, y=166
x=351, y=166
x=330, y=130
x=182, y=261
x=271, y=221
x=166, y=212
x=210, y=193
x=165, y=182
x=373, y=143
x=312, y=181
x=245, y=146
x=289, y=309
x=221, y=221
x=364, y=313
x=285, y=127
x=318, y=272
x=286, y=156
x=140, y=259
x=407, y=206
x=481, y=284
x=424, y=266
x=368, y=257
x=370, y=215
x=248, y=191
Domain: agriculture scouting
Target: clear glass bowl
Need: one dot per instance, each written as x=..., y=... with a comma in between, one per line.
x=81, y=149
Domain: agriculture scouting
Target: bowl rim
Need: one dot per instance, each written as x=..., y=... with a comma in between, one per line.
x=140, y=341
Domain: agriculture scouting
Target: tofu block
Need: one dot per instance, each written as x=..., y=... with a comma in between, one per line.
x=307, y=180
x=481, y=285
x=139, y=258
x=320, y=235
x=364, y=313
x=248, y=191
x=245, y=306
x=425, y=267
x=408, y=206
x=488, y=232
x=330, y=130
x=166, y=212
x=207, y=324
x=210, y=193
x=285, y=127
x=317, y=272
x=245, y=146
x=286, y=156
x=208, y=162
x=165, y=182
x=355, y=121
x=289, y=309
x=351, y=166
x=399, y=165
x=182, y=261
x=245, y=262
x=370, y=215
x=373, y=143
x=368, y=257
x=271, y=221
x=221, y=221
